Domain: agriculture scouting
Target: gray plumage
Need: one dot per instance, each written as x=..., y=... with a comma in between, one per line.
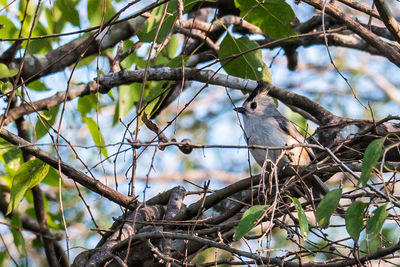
x=264, y=125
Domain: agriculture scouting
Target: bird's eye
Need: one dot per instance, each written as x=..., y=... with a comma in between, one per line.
x=253, y=105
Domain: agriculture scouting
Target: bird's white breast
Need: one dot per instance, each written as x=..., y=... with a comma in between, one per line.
x=265, y=132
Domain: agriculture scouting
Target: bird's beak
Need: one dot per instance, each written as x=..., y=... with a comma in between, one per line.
x=240, y=110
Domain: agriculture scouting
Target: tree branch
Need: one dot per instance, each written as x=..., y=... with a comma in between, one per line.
x=210, y=77
x=360, y=7
x=390, y=22
x=78, y=176
x=386, y=50
x=36, y=66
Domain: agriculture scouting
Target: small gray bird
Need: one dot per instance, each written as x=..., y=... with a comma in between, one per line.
x=264, y=125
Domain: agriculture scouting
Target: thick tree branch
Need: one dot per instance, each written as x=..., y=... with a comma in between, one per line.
x=110, y=80
x=131, y=225
x=211, y=77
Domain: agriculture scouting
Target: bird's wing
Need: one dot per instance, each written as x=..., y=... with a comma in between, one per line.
x=288, y=128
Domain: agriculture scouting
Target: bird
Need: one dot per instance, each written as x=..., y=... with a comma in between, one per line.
x=264, y=125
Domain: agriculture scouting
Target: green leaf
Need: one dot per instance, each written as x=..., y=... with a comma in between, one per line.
x=127, y=96
x=327, y=206
x=368, y=246
x=172, y=46
x=149, y=28
x=86, y=104
x=303, y=222
x=96, y=134
x=19, y=241
x=47, y=119
x=10, y=157
x=69, y=11
x=8, y=30
x=51, y=178
x=5, y=72
x=389, y=235
x=354, y=219
x=249, y=220
x=132, y=58
x=30, y=174
x=55, y=20
x=37, y=86
x=157, y=93
x=26, y=8
x=375, y=223
x=371, y=156
x=37, y=243
x=95, y=10
x=5, y=87
x=3, y=257
x=177, y=61
x=273, y=17
x=54, y=221
x=249, y=65
x=40, y=45
x=86, y=61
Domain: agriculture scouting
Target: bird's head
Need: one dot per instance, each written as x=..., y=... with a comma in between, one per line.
x=259, y=103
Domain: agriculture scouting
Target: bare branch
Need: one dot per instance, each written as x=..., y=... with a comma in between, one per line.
x=387, y=50
x=391, y=23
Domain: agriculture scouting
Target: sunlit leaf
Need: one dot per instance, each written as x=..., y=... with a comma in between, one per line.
x=86, y=104
x=172, y=46
x=47, y=119
x=70, y=12
x=96, y=11
x=272, y=16
x=37, y=86
x=54, y=221
x=149, y=29
x=29, y=174
x=96, y=134
x=128, y=95
x=40, y=46
x=157, y=93
x=8, y=30
x=51, y=178
x=248, y=65
x=5, y=87
x=5, y=72
x=10, y=157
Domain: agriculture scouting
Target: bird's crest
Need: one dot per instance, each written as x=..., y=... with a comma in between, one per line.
x=261, y=87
